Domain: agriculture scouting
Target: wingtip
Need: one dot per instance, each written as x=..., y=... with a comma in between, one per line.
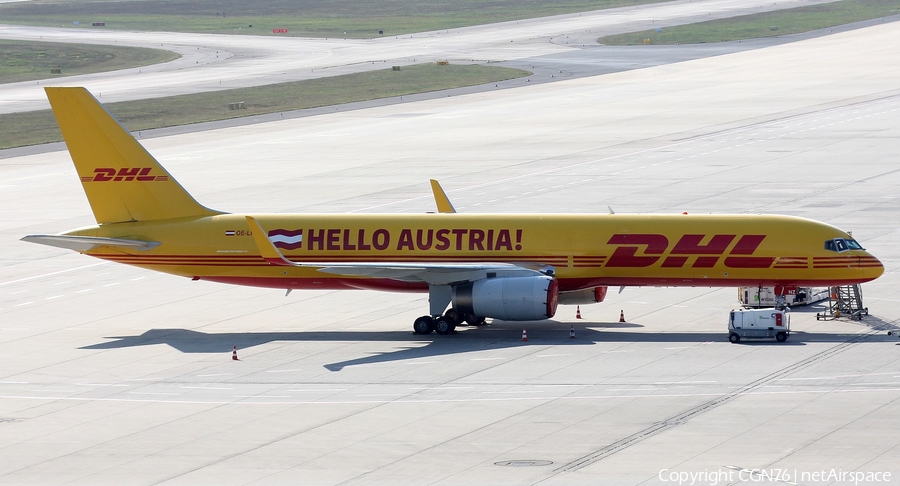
x=440, y=198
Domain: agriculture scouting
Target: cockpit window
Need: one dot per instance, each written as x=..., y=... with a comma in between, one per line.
x=842, y=244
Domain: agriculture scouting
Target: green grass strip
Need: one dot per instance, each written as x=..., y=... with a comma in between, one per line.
x=35, y=127
x=767, y=24
x=27, y=61
x=307, y=18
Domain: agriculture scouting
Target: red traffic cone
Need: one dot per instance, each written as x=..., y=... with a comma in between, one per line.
x=622, y=316
x=234, y=353
x=578, y=312
x=572, y=332
x=524, y=335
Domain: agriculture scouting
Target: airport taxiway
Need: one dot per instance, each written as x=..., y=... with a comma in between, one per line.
x=216, y=62
x=112, y=374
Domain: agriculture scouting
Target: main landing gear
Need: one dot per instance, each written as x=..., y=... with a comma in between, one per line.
x=445, y=324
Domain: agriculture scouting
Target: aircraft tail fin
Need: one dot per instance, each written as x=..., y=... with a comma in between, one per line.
x=122, y=181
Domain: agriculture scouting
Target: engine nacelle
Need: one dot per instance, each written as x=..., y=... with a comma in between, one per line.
x=508, y=298
x=583, y=297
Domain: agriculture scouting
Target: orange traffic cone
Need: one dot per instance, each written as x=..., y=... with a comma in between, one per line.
x=622, y=316
x=572, y=332
x=234, y=353
x=524, y=335
x=578, y=312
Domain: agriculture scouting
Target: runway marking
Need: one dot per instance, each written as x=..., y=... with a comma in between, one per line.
x=111, y=284
x=216, y=374
x=24, y=303
x=63, y=282
x=54, y=297
x=151, y=393
x=99, y=384
x=262, y=396
x=818, y=378
x=26, y=279
x=137, y=278
x=82, y=291
x=435, y=400
x=442, y=388
x=14, y=383
x=205, y=388
x=18, y=292
x=318, y=390
x=679, y=382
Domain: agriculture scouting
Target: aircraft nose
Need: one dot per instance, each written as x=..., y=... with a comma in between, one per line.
x=871, y=267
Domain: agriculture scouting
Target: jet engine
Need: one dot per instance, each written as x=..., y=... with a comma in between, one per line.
x=508, y=298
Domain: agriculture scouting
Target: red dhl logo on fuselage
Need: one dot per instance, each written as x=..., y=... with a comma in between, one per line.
x=125, y=174
x=706, y=256
x=632, y=250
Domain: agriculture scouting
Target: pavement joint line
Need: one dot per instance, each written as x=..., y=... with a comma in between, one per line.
x=683, y=417
x=35, y=277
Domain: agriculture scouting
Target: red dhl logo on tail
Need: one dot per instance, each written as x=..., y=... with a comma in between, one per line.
x=125, y=174
x=706, y=256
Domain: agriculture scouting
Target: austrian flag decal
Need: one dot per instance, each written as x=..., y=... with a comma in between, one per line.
x=286, y=239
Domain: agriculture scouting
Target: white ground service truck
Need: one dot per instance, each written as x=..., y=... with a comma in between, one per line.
x=759, y=324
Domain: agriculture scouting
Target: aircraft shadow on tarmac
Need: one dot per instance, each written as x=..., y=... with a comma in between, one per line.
x=468, y=340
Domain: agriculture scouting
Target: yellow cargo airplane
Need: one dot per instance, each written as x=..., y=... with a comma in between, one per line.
x=503, y=266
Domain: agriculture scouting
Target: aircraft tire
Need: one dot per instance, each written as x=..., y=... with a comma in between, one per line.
x=474, y=320
x=733, y=337
x=454, y=316
x=423, y=325
x=781, y=337
x=444, y=325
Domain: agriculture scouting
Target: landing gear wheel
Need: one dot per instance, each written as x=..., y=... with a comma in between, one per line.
x=423, y=325
x=474, y=320
x=444, y=326
x=781, y=337
x=733, y=337
x=455, y=317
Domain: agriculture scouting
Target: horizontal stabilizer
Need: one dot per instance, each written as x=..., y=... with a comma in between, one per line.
x=88, y=243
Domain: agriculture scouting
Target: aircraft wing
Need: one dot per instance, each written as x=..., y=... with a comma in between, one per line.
x=431, y=273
